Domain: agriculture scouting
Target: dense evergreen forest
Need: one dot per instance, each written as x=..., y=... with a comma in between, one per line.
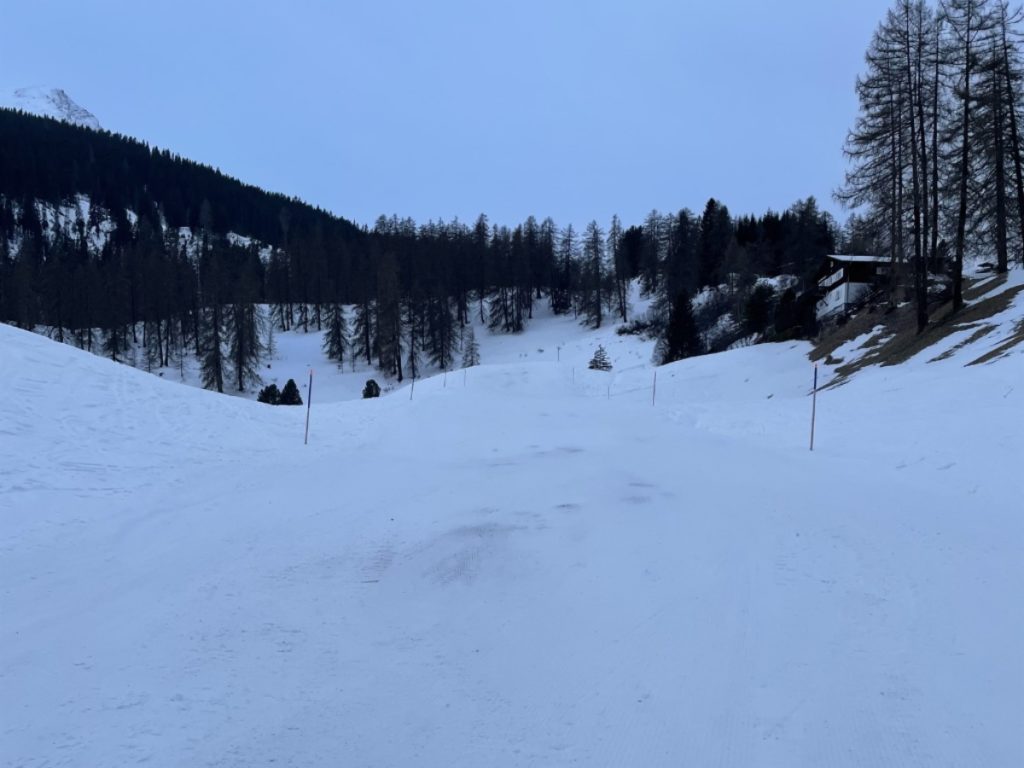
x=113, y=245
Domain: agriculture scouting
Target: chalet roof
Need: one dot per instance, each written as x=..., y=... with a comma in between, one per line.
x=852, y=259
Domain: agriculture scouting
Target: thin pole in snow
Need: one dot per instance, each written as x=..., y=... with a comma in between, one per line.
x=309, y=405
x=412, y=388
x=814, y=403
x=445, y=379
x=559, y=358
x=464, y=370
x=654, y=386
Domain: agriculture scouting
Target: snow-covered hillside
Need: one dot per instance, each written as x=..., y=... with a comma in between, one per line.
x=49, y=102
x=531, y=565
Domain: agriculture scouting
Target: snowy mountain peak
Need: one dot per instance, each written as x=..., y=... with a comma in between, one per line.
x=49, y=102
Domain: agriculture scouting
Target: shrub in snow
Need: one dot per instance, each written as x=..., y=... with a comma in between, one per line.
x=270, y=394
x=640, y=326
x=290, y=394
x=600, y=361
x=372, y=389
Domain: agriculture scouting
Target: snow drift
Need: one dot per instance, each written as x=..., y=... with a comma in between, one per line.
x=532, y=565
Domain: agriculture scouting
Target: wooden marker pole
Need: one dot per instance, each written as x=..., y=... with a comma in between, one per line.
x=814, y=403
x=309, y=405
x=412, y=388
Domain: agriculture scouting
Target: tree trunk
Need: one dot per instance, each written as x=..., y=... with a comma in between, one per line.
x=934, y=254
x=920, y=286
x=965, y=149
x=925, y=213
x=1011, y=105
x=997, y=126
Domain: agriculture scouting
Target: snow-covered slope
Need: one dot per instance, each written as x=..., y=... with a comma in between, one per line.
x=530, y=566
x=49, y=102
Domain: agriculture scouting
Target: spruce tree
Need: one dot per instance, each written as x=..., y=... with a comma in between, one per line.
x=270, y=395
x=681, y=339
x=290, y=394
x=716, y=230
x=600, y=361
x=244, y=344
x=212, y=363
x=364, y=333
x=336, y=340
x=440, y=341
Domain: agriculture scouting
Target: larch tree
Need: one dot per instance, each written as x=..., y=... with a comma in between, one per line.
x=619, y=268
x=967, y=22
x=593, y=275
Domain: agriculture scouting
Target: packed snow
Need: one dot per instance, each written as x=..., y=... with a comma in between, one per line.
x=527, y=563
x=49, y=102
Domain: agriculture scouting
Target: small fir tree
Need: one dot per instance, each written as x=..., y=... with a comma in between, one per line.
x=290, y=394
x=600, y=361
x=270, y=395
x=372, y=389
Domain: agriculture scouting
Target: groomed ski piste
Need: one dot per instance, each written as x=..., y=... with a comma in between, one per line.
x=526, y=564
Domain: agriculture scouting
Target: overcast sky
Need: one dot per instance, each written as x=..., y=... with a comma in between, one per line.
x=576, y=110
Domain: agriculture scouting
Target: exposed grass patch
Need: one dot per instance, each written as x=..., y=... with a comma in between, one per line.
x=898, y=340
x=984, y=330
x=1017, y=337
x=858, y=325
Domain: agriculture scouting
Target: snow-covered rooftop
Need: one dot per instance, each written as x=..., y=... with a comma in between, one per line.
x=852, y=258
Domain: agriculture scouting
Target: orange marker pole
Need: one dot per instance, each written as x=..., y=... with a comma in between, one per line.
x=309, y=404
x=814, y=403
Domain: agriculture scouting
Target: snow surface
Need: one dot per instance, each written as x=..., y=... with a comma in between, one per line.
x=532, y=565
x=49, y=102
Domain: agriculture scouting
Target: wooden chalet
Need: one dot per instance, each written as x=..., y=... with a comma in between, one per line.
x=846, y=280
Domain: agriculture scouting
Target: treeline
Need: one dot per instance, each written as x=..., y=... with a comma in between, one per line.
x=130, y=271
x=936, y=151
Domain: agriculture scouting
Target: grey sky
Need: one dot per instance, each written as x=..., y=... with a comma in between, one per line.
x=452, y=108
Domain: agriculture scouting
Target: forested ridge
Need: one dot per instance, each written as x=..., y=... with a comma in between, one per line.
x=112, y=244
x=153, y=259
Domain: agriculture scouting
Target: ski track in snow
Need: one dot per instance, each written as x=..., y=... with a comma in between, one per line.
x=517, y=571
